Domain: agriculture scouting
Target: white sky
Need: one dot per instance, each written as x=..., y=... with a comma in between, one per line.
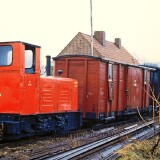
x=53, y=23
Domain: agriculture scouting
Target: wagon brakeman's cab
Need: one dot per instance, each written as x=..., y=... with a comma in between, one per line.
x=30, y=104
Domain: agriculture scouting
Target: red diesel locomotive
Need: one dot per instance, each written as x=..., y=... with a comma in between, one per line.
x=31, y=104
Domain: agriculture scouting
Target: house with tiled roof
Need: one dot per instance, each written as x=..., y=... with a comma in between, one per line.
x=81, y=44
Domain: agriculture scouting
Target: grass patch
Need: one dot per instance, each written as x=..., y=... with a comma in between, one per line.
x=141, y=150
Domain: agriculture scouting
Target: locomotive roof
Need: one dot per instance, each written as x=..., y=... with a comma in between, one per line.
x=21, y=42
x=103, y=60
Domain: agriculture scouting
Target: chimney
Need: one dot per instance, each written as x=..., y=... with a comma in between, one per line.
x=48, y=65
x=100, y=36
x=118, y=42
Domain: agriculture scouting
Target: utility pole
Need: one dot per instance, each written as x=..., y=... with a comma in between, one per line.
x=91, y=27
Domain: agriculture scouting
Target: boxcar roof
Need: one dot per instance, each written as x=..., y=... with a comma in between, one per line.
x=101, y=59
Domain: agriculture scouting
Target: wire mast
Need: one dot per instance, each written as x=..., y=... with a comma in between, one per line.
x=91, y=20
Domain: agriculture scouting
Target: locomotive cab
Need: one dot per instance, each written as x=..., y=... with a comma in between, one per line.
x=19, y=76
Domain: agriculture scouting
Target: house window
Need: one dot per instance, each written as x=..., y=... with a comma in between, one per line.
x=110, y=72
x=145, y=76
x=5, y=55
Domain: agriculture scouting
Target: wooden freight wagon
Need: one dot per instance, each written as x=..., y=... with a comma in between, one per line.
x=106, y=88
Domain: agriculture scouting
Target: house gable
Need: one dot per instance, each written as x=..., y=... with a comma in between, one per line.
x=81, y=44
x=78, y=45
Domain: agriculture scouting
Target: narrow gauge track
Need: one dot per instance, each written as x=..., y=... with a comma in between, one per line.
x=35, y=147
x=75, y=140
x=108, y=151
x=63, y=143
x=51, y=150
x=83, y=151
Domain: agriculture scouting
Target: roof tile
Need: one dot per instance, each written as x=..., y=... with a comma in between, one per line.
x=81, y=44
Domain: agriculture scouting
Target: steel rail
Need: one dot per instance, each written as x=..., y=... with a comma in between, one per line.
x=110, y=152
x=80, y=150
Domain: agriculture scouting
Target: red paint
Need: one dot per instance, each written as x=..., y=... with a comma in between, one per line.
x=99, y=94
x=28, y=93
x=58, y=94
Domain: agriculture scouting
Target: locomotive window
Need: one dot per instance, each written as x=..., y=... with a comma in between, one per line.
x=5, y=55
x=110, y=72
x=29, y=59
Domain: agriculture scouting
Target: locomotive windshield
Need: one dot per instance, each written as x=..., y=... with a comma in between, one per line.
x=5, y=55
